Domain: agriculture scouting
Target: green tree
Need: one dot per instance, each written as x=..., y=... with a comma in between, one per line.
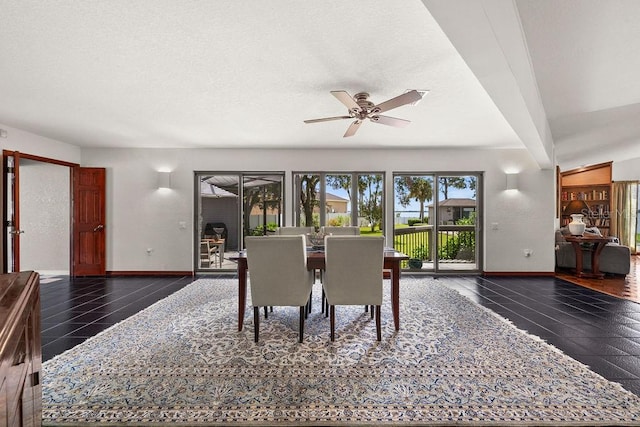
x=418, y=188
x=446, y=182
x=265, y=196
x=308, y=197
x=370, y=199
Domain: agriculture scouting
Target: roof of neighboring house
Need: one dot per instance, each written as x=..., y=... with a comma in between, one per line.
x=459, y=202
x=333, y=198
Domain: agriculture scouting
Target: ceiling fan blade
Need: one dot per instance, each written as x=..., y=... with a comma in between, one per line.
x=346, y=99
x=327, y=119
x=398, y=101
x=353, y=128
x=390, y=121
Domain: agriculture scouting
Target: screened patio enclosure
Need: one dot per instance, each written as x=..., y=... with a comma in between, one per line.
x=229, y=207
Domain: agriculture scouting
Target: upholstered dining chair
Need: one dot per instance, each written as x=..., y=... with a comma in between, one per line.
x=353, y=274
x=278, y=275
x=341, y=231
x=293, y=231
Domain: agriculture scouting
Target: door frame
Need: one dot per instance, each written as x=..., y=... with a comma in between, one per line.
x=16, y=201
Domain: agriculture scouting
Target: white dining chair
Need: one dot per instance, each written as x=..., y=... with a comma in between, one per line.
x=293, y=231
x=353, y=274
x=341, y=231
x=278, y=275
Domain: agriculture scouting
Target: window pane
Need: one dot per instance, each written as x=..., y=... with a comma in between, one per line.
x=456, y=218
x=338, y=200
x=262, y=203
x=371, y=202
x=413, y=228
x=308, y=200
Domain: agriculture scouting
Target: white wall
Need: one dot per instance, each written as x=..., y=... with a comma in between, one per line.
x=45, y=204
x=628, y=170
x=29, y=143
x=139, y=216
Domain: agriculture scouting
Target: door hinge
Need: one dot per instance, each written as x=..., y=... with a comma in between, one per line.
x=9, y=223
x=10, y=169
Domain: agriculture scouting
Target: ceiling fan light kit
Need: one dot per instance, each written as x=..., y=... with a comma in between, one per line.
x=360, y=108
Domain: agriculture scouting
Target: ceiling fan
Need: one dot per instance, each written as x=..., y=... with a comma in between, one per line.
x=360, y=108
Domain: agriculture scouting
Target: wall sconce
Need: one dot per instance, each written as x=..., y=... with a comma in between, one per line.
x=512, y=181
x=164, y=179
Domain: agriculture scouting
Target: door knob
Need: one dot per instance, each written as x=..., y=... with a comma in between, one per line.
x=99, y=227
x=17, y=232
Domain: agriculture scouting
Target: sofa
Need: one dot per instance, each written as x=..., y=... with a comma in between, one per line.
x=614, y=258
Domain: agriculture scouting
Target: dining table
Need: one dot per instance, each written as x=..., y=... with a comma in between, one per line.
x=316, y=261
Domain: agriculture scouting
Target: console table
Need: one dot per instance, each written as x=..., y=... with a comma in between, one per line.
x=596, y=244
x=20, y=350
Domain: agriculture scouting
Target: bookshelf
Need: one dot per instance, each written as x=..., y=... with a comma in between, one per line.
x=591, y=184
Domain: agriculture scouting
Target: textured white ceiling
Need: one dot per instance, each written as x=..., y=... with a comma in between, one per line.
x=244, y=73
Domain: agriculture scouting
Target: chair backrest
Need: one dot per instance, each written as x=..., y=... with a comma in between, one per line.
x=341, y=231
x=293, y=231
x=353, y=272
x=278, y=272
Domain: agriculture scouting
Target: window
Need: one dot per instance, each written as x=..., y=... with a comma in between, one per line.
x=340, y=199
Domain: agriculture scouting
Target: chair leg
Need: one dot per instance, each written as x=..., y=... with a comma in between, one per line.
x=265, y=312
x=378, y=329
x=256, y=323
x=332, y=309
x=323, y=299
x=372, y=311
x=302, y=316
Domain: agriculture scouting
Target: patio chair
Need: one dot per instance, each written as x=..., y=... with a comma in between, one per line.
x=353, y=274
x=278, y=275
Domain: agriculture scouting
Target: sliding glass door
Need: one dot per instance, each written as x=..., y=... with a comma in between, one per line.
x=436, y=221
x=229, y=207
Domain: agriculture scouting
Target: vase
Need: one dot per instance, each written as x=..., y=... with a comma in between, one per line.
x=576, y=226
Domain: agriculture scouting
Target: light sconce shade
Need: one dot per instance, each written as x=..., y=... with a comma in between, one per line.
x=512, y=181
x=164, y=179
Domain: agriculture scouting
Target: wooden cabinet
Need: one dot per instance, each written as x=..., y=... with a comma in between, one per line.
x=20, y=350
x=591, y=184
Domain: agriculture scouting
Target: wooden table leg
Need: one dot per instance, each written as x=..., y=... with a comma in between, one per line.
x=395, y=294
x=578, y=250
x=242, y=290
x=595, y=259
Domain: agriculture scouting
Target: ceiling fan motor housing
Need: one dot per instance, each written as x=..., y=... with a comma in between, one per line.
x=366, y=106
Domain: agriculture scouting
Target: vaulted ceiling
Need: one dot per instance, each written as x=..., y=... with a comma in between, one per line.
x=559, y=78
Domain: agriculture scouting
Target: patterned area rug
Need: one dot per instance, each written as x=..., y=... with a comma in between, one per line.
x=182, y=361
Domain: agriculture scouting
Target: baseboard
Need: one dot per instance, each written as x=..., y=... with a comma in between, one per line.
x=520, y=273
x=150, y=273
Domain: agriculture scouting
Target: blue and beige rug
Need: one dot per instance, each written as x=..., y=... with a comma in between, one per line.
x=182, y=361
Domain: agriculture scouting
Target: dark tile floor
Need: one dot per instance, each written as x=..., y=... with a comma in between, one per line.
x=597, y=329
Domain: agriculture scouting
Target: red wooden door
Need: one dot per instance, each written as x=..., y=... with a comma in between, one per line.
x=89, y=222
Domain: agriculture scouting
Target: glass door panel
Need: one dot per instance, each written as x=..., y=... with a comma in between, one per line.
x=218, y=221
x=262, y=204
x=413, y=225
x=456, y=223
